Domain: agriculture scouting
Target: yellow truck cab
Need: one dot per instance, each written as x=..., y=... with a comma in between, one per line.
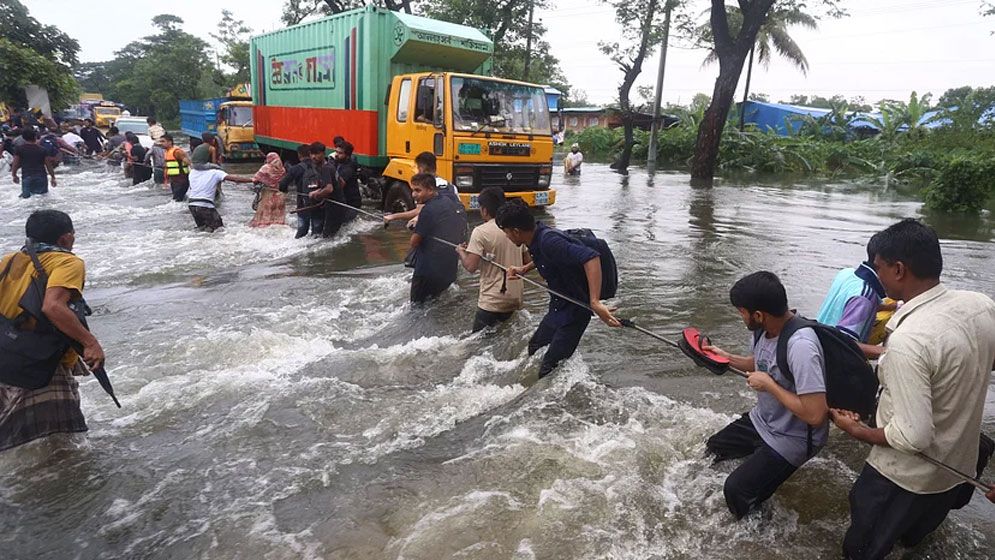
x=235, y=129
x=484, y=132
x=105, y=114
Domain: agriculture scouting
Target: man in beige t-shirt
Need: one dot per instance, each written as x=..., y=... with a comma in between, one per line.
x=500, y=296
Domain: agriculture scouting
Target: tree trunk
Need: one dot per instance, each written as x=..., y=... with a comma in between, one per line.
x=628, y=140
x=732, y=52
x=746, y=90
x=706, y=147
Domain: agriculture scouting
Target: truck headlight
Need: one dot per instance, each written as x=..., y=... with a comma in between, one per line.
x=543, y=180
x=464, y=181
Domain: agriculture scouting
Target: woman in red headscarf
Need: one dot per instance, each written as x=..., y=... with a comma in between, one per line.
x=270, y=208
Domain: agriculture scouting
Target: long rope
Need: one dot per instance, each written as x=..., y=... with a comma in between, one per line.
x=977, y=483
x=625, y=322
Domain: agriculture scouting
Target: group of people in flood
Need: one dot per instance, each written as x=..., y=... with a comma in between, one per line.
x=933, y=360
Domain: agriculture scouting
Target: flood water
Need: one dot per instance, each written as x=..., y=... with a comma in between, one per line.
x=282, y=400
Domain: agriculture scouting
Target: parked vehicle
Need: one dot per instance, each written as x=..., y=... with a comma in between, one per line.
x=229, y=117
x=138, y=125
x=396, y=85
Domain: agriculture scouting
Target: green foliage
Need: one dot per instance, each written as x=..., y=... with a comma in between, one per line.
x=233, y=35
x=21, y=66
x=152, y=74
x=507, y=23
x=963, y=184
x=34, y=54
x=598, y=141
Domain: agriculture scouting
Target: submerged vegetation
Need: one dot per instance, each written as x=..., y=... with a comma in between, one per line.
x=954, y=164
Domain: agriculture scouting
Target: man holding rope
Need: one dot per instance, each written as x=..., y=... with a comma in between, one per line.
x=569, y=267
x=934, y=374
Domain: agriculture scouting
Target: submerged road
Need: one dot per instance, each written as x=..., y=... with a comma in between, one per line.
x=282, y=400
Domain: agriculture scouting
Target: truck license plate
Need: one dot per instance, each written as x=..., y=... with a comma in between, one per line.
x=509, y=149
x=542, y=198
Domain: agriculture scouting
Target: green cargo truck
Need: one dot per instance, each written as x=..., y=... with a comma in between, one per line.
x=396, y=85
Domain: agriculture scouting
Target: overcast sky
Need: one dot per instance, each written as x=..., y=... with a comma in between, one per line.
x=885, y=49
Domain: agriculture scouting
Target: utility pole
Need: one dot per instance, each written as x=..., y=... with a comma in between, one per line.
x=655, y=126
x=528, y=43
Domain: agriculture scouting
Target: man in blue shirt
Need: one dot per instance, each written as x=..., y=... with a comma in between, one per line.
x=569, y=267
x=435, y=263
x=853, y=300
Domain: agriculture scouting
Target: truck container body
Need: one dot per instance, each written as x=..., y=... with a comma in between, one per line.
x=338, y=76
x=200, y=115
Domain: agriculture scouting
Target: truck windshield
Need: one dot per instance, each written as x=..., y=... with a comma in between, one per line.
x=498, y=106
x=107, y=110
x=239, y=116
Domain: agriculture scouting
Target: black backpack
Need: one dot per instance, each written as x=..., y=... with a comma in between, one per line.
x=609, y=268
x=851, y=383
x=50, y=145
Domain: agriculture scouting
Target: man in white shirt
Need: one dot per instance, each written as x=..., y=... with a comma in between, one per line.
x=500, y=296
x=204, y=181
x=934, y=374
x=571, y=163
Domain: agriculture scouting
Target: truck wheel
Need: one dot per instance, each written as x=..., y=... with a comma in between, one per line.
x=398, y=198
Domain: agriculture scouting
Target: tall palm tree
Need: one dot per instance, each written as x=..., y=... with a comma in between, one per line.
x=773, y=37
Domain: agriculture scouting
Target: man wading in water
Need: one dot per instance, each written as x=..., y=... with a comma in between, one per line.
x=436, y=265
x=204, y=181
x=27, y=414
x=939, y=352
x=569, y=267
x=499, y=298
x=790, y=422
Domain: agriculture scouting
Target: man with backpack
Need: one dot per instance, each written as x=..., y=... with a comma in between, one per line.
x=570, y=267
x=790, y=422
x=435, y=264
x=939, y=352
x=27, y=414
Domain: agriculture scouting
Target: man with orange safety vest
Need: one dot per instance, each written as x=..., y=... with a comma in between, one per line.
x=177, y=169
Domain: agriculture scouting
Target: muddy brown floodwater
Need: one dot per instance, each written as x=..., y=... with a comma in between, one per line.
x=282, y=400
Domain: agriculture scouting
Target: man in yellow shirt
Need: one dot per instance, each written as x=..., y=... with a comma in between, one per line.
x=26, y=414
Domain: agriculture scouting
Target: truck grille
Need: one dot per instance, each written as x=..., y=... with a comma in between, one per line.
x=511, y=178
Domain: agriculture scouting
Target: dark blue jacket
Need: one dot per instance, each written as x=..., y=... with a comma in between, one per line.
x=560, y=260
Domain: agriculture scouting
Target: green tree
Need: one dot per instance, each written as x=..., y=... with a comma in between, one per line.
x=640, y=22
x=507, y=24
x=233, y=36
x=732, y=45
x=35, y=54
x=152, y=74
x=772, y=37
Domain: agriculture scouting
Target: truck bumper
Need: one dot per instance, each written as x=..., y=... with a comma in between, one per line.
x=531, y=198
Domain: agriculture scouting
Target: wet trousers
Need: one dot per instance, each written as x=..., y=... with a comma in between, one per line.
x=561, y=337
x=760, y=475
x=33, y=184
x=179, y=184
x=484, y=318
x=424, y=288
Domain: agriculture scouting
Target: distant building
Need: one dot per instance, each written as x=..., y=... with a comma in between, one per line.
x=578, y=119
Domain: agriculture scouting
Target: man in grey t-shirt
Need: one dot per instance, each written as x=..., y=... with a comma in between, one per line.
x=789, y=423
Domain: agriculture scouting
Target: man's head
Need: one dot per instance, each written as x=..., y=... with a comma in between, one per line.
x=873, y=246
x=490, y=200
x=338, y=141
x=304, y=152
x=207, y=137
x=51, y=226
x=113, y=131
x=575, y=148
x=343, y=151
x=167, y=140
x=759, y=297
x=29, y=135
x=908, y=258
x=516, y=221
x=425, y=162
x=150, y=120
x=88, y=122
x=423, y=187
x=131, y=137
x=317, y=152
